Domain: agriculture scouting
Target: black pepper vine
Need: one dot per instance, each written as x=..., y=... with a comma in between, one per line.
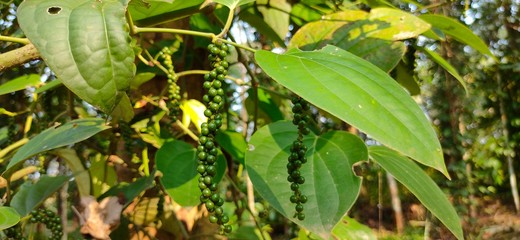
x=297, y=157
x=50, y=220
x=174, y=96
x=47, y=217
x=207, y=150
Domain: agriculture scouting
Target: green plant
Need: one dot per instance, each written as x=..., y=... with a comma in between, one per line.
x=339, y=63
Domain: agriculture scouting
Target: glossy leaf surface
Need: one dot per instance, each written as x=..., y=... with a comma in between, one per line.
x=330, y=185
x=359, y=93
x=86, y=44
x=420, y=184
x=69, y=133
x=20, y=83
x=31, y=195
x=177, y=161
x=8, y=217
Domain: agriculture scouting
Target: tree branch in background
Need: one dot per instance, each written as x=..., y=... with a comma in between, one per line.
x=18, y=56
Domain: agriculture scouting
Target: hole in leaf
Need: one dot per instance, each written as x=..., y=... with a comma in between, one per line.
x=54, y=10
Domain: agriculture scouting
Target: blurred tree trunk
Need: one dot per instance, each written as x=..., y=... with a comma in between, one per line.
x=508, y=151
x=396, y=203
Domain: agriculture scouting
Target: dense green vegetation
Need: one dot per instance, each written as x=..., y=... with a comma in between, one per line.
x=266, y=119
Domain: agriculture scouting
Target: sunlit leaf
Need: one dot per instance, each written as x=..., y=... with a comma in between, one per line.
x=193, y=111
x=102, y=173
x=8, y=217
x=20, y=83
x=330, y=185
x=31, y=195
x=276, y=15
x=87, y=45
x=232, y=4
x=420, y=184
x=255, y=20
x=361, y=94
x=372, y=36
x=67, y=134
x=350, y=229
x=76, y=166
x=458, y=31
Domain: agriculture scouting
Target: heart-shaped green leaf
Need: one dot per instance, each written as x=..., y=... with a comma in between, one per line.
x=69, y=133
x=31, y=195
x=420, y=184
x=330, y=185
x=177, y=161
x=359, y=93
x=8, y=217
x=86, y=44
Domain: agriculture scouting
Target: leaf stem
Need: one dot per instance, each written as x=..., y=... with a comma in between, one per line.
x=14, y=39
x=130, y=22
x=173, y=31
x=202, y=72
x=189, y=32
x=229, y=21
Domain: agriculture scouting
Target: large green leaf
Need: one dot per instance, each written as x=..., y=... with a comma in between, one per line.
x=446, y=65
x=232, y=4
x=350, y=229
x=20, y=83
x=420, y=184
x=276, y=15
x=361, y=94
x=458, y=31
x=8, y=217
x=67, y=134
x=177, y=161
x=233, y=143
x=154, y=12
x=86, y=44
x=31, y=195
x=330, y=185
x=371, y=36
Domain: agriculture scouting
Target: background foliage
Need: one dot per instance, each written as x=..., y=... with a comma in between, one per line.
x=102, y=104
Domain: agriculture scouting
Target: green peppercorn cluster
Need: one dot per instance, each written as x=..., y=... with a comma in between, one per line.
x=297, y=157
x=14, y=232
x=173, y=89
x=207, y=150
x=50, y=220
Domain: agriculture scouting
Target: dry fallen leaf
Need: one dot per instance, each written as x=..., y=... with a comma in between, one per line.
x=99, y=219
